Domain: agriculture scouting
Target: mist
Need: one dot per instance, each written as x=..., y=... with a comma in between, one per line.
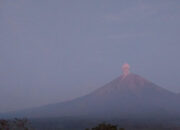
x=54, y=51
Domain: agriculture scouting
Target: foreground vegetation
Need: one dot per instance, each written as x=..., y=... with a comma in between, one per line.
x=104, y=126
x=84, y=124
x=15, y=124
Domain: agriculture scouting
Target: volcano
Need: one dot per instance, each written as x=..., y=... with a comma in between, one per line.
x=127, y=96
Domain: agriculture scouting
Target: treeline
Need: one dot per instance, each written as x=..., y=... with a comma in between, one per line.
x=104, y=126
x=15, y=124
x=75, y=124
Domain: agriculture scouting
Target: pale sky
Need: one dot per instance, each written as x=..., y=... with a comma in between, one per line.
x=56, y=50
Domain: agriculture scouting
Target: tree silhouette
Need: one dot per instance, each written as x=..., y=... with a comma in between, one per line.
x=15, y=124
x=104, y=126
x=4, y=125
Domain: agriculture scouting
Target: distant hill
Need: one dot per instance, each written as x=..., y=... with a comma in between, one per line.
x=128, y=96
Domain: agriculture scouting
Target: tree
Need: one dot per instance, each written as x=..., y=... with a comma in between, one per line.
x=4, y=125
x=15, y=124
x=104, y=126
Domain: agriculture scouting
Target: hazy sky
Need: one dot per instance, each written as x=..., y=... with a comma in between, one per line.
x=55, y=50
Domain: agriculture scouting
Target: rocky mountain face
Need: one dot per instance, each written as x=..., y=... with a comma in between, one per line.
x=128, y=96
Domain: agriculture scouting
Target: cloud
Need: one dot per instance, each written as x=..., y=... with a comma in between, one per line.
x=137, y=12
x=145, y=18
x=126, y=36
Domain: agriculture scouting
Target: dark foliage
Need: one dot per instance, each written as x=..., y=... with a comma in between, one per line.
x=4, y=125
x=104, y=126
x=15, y=124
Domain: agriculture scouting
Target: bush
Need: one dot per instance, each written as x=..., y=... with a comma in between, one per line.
x=15, y=124
x=104, y=126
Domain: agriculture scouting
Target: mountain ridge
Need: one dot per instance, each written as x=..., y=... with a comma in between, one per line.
x=129, y=96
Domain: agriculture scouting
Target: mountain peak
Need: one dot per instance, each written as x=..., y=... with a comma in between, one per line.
x=130, y=83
